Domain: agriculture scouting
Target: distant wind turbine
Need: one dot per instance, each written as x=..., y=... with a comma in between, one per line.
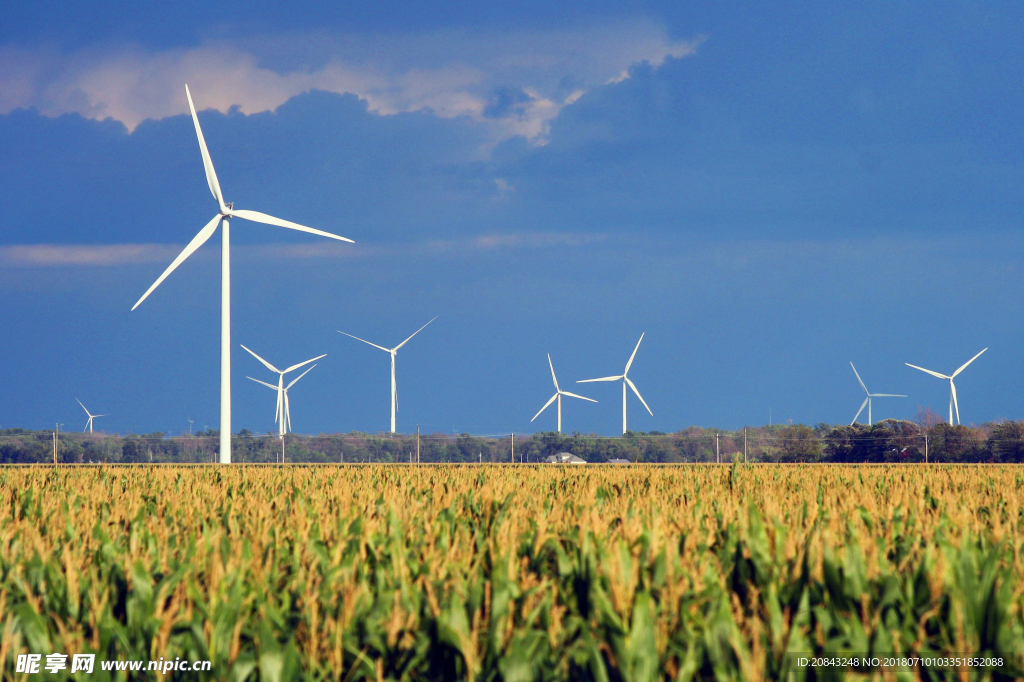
x=393, y=352
x=88, y=424
x=282, y=415
x=625, y=380
x=225, y=213
x=867, y=401
x=558, y=396
x=952, y=388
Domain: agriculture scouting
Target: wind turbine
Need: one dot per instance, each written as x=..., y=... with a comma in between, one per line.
x=393, y=352
x=88, y=424
x=867, y=401
x=952, y=388
x=625, y=380
x=282, y=416
x=558, y=396
x=225, y=213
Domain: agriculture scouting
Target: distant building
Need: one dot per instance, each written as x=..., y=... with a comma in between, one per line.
x=619, y=461
x=565, y=458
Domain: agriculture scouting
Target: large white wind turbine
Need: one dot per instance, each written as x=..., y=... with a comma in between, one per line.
x=282, y=415
x=625, y=380
x=393, y=352
x=88, y=424
x=223, y=217
x=952, y=388
x=558, y=396
x=867, y=401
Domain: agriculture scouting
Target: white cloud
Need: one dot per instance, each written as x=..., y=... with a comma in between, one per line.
x=56, y=255
x=452, y=73
x=24, y=256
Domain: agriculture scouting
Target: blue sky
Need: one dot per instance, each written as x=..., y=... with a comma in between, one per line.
x=767, y=192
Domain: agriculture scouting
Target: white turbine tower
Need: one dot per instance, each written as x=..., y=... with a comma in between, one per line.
x=952, y=388
x=393, y=352
x=625, y=380
x=223, y=217
x=558, y=396
x=282, y=415
x=88, y=424
x=867, y=401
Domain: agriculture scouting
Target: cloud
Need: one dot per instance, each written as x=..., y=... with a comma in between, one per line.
x=56, y=255
x=513, y=83
x=114, y=255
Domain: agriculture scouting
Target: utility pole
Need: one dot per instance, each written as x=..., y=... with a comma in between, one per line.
x=718, y=455
x=513, y=447
x=417, y=443
x=56, y=430
x=744, y=443
x=926, y=448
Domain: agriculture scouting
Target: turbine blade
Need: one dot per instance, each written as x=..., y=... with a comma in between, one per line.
x=196, y=242
x=295, y=367
x=268, y=365
x=211, y=175
x=94, y=416
x=860, y=380
x=952, y=388
x=626, y=371
x=386, y=350
x=927, y=371
x=553, y=378
x=258, y=217
x=262, y=382
x=415, y=333
x=546, y=406
x=295, y=380
x=862, y=406
x=964, y=366
x=587, y=381
x=633, y=386
x=83, y=406
x=886, y=395
x=581, y=397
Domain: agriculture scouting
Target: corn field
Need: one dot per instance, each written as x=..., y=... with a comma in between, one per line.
x=500, y=572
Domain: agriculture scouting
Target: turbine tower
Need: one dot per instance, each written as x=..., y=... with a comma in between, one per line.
x=88, y=424
x=625, y=380
x=558, y=396
x=226, y=211
x=952, y=388
x=393, y=352
x=282, y=416
x=867, y=401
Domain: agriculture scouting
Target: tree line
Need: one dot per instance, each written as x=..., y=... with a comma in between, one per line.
x=890, y=440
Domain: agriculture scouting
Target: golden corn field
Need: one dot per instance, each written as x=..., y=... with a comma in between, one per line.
x=512, y=572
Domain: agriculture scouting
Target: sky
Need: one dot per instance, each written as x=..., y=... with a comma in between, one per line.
x=766, y=193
